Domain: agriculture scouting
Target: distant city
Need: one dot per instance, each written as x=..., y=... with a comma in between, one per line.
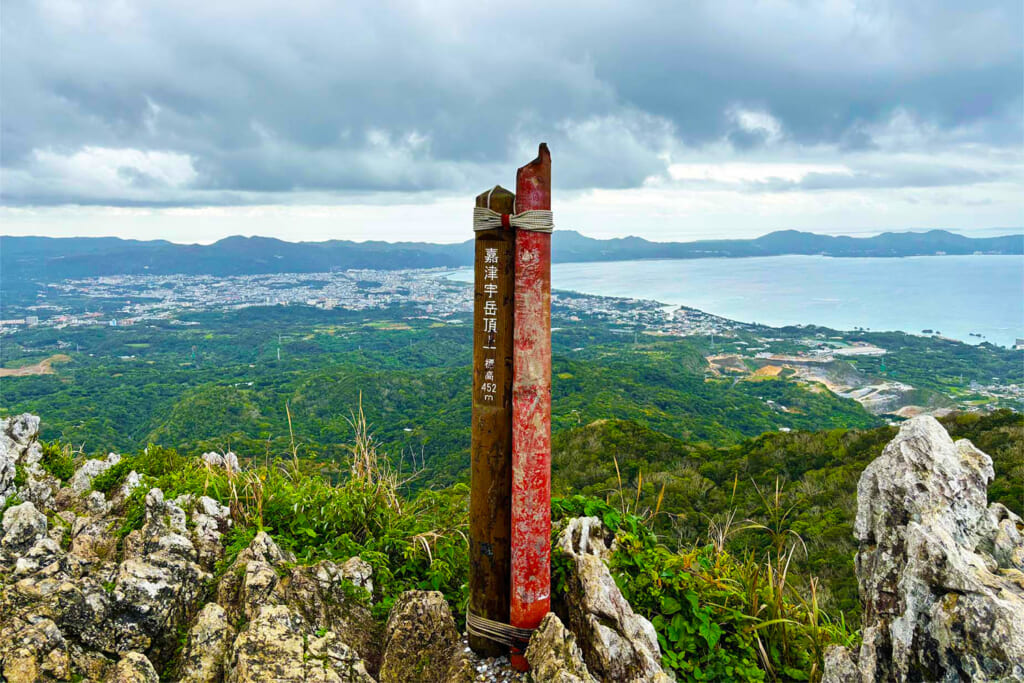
x=738, y=349
x=124, y=300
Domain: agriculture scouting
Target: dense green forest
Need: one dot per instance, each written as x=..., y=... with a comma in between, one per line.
x=935, y=363
x=217, y=384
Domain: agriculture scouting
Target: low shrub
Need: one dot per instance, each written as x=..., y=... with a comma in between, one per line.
x=58, y=459
x=719, y=617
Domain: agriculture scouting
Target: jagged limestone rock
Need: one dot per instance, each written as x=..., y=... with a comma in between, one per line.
x=251, y=578
x=100, y=605
x=209, y=639
x=421, y=639
x=18, y=433
x=1008, y=543
x=320, y=597
x=586, y=535
x=269, y=648
x=359, y=573
x=20, y=452
x=69, y=604
x=258, y=584
x=96, y=504
x=554, y=655
x=76, y=603
x=91, y=540
x=81, y=480
x=329, y=659
x=209, y=522
x=227, y=461
x=134, y=667
x=277, y=646
x=83, y=610
x=19, y=448
x=840, y=667
x=159, y=581
x=617, y=644
x=43, y=552
x=39, y=489
x=39, y=653
x=461, y=669
x=327, y=600
x=943, y=598
x=130, y=483
x=23, y=525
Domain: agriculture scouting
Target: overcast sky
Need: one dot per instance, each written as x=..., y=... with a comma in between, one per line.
x=677, y=120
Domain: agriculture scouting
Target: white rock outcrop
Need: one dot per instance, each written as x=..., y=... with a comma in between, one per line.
x=939, y=573
x=23, y=525
x=278, y=646
x=134, y=668
x=420, y=639
x=227, y=461
x=209, y=639
x=19, y=448
x=81, y=482
x=617, y=644
x=80, y=602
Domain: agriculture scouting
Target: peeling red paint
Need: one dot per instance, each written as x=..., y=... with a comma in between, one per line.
x=531, y=408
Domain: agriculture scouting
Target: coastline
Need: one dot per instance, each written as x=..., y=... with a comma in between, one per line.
x=970, y=299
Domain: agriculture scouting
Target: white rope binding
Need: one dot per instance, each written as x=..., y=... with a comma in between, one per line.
x=505, y=634
x=535, y=220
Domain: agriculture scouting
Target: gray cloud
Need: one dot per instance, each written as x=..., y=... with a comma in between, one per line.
x=156, y=103
x=900, y=178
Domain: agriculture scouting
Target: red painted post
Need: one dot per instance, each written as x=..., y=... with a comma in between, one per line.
x=531, y=408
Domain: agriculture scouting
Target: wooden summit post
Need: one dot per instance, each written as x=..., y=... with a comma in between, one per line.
x=531, y=408
x=490, y=498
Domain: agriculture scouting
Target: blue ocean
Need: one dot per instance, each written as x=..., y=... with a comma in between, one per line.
x=958, y=296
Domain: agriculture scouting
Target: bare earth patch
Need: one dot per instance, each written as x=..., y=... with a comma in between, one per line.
x=767, y=371
x=43, y=367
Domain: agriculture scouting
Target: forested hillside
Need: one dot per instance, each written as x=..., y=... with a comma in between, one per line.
x=219, y=385
x=799, y=482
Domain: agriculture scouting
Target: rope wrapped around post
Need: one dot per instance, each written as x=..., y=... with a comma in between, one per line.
x=533, y=221
x=505, y=634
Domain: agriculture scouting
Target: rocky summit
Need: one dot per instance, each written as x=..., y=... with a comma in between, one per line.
x=93, y=588
x=79, y=601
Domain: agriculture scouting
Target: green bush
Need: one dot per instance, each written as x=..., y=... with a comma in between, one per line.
x=719, y=617
x=58, y=460
x=154, y=461
x=109, y=479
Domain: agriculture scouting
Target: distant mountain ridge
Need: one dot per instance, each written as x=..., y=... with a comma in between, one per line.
x=50, y=259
